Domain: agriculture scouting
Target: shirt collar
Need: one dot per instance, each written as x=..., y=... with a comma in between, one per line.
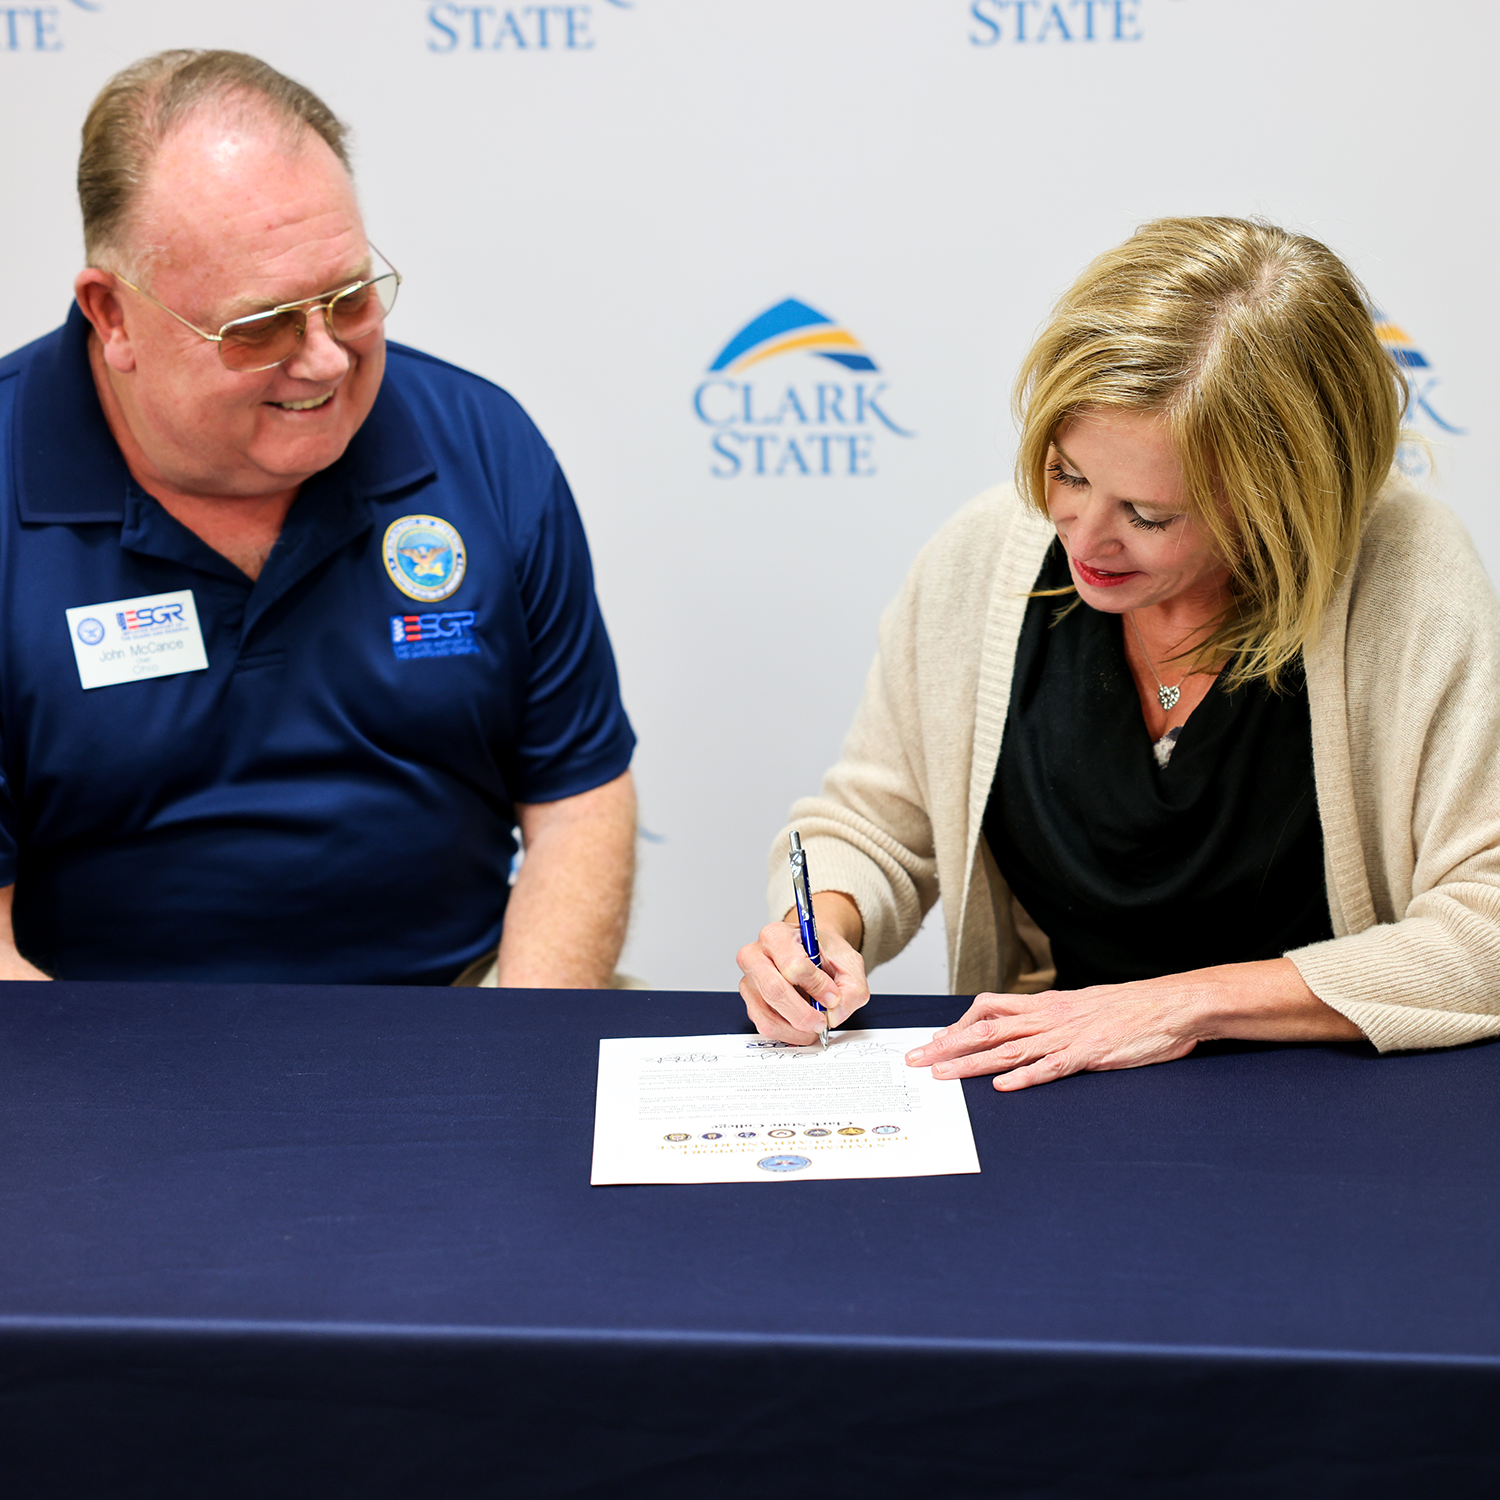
x=69, y=468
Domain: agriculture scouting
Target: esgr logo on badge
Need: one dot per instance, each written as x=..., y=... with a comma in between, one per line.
x=424, y=557
x=152, y=617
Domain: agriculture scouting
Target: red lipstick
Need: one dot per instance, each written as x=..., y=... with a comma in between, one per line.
x=1095, y=579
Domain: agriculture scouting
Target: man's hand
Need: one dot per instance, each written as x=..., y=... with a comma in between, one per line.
x=778, y=973
x=1029, y=1039
x=12, y=965
x=565, y=923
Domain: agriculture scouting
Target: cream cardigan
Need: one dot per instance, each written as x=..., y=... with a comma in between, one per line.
x=1403, y=682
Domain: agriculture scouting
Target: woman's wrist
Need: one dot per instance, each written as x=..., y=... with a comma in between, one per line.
x=835, y=912
x=1265, y=1001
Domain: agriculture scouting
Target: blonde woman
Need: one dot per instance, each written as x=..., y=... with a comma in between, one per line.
x=1210, y=698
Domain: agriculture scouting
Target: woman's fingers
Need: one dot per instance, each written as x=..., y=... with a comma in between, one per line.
x=775, y=995
x=986, y=1006
x=780, y=978
x=1030, y=1039
x=1045, y=1070
x=772, y=1023
x=843, y=965
x=780, y=974
x=982, y=1037
x=1016, y=1053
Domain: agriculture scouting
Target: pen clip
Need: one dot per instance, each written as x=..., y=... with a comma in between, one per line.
x=802, y=896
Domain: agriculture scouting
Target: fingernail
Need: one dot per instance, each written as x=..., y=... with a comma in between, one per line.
x=941, y=1069
x=941, y=1031
x=917, y=1055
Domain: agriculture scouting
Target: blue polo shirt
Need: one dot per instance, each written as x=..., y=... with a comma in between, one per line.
x=333, y=798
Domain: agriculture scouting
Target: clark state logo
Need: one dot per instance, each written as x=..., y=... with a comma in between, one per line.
x=1031, y=21
x=1421, y=413
x=788, y=427
x=516, y=28
x=35, y=28
x=425, y=557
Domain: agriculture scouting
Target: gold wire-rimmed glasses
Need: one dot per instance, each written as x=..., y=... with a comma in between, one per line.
x=264, y=340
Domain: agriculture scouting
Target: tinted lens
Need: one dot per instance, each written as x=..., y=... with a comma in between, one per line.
x=258, y=343
x=361, y=311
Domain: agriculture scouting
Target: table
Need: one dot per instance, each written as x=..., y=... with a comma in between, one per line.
x=279, y=1241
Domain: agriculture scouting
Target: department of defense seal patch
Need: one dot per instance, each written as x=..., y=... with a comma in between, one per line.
x=783, y=1163
x=424, y=556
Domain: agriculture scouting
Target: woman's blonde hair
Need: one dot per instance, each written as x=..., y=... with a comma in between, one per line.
x=1259, y=350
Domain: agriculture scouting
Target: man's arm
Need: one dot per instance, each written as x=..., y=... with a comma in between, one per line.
x=565, y=923
x=12, y=965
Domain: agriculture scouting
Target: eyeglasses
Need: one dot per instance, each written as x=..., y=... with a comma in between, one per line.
x=267, y=339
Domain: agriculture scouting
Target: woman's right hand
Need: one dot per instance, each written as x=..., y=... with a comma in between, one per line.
x=779, y=976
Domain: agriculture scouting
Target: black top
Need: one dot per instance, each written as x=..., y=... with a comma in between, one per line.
x=1134, y=870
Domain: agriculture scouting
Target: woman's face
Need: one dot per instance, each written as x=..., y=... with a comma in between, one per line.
x=1116, y=495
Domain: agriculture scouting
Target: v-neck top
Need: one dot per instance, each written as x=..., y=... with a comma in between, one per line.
x=1135, y=870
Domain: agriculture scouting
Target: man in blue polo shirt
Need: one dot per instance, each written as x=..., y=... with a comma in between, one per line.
x=298, y=624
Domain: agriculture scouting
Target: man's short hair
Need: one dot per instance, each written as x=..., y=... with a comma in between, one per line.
x=139, y=108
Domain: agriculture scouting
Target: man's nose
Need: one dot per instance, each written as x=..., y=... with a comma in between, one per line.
x=319, y=356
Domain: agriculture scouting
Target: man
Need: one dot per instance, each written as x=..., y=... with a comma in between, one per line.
x=298, y=625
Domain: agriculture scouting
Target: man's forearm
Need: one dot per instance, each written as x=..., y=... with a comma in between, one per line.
x=12, y=965
x=569, y=908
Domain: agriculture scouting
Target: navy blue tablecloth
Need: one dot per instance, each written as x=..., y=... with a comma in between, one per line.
x=277, y=1241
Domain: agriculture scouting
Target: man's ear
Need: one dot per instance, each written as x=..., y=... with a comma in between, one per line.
x=100, y=302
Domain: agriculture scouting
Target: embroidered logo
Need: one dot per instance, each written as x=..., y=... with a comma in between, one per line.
x=425, y=557
x=447, y=634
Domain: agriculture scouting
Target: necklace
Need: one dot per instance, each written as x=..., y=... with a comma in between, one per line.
x=1166, y=696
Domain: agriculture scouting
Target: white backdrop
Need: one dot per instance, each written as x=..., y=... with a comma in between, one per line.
x=630, y=185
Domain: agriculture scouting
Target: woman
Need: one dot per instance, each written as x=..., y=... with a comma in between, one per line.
x=1211, y=698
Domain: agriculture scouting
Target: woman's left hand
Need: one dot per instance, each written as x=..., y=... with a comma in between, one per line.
x=1031, y=1039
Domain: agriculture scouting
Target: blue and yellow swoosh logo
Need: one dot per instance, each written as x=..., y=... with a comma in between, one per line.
x=785, y=328
x=1398, y=344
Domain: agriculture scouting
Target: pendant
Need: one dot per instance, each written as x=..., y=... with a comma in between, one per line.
x=1167, y=697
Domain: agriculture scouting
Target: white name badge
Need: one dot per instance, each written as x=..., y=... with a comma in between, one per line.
x=128, y=640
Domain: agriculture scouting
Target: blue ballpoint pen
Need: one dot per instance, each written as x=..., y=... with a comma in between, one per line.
x=805, y=921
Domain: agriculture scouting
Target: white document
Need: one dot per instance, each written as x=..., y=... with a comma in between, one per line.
x=747, y=1109
x=126, y=640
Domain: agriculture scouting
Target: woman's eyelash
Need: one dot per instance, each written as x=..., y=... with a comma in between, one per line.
x=1077, y=481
